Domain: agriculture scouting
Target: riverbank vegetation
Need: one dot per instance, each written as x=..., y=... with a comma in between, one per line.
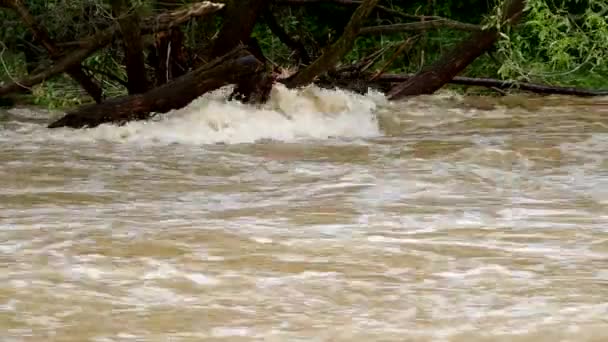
x=138, y=57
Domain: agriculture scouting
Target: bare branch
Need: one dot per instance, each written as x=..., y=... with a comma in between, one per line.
x=337, y=50
x=54, y=52
x=93, y=43
x=504, y=85
x=420, y=26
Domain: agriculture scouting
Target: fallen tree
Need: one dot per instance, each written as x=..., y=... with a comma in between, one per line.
x=90, y=45
x=238, y=25
x=500, y=84
x=361, y=82
x=420, y=26
x=74, y=70
x=456, y=60
x=235, y=67
x=246, y=67
x=335, y=51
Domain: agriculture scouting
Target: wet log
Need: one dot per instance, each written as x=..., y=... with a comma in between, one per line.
x=88, y=46
x=40, y=33
x=240, y=17
x=504, y=85
x=335, y=51
x=455, y=61
x=128, y=22
x=234, y=67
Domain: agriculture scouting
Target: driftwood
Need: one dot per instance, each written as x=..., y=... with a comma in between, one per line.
x=88, y=46
x=455, y=61
x=234, y=67
x=335, y=51
x=60, y=66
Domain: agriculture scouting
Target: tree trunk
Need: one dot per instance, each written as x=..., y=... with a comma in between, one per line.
x=88, y=46
x=337, y=50
x=447, y=67
x=505, y=85
x=169, y=53
x=128, y=21
x=43, y=37
x=236, y=66
x=239, y=19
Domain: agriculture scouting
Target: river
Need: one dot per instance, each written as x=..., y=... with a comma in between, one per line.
x=320, y=216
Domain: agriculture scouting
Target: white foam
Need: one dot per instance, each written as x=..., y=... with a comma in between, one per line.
x=289, y=115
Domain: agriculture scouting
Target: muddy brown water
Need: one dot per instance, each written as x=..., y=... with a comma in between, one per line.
x=322, y=216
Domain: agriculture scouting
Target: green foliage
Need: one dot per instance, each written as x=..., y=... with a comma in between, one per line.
x=555, y=46
x=562, y=42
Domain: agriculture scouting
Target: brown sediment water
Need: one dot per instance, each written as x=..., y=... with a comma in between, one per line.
x=320, y=216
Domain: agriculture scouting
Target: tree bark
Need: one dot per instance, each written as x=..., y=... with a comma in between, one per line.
x=420, y=26
x=447, y=67
x=239, y=19
x=43, y=37
x=169, y=55
x=128, y=21
x=61, y=65
x=88, y=46
x=505, y=85
x=337, y=50
x=234, y=67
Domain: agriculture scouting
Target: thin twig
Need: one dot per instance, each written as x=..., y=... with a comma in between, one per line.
x=4, y=48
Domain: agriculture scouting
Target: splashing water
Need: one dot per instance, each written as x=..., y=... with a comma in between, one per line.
x=322, y=215
x=289, y=115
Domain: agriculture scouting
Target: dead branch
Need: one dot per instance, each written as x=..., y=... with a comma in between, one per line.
x=406, y=45
x=337, y=50
x=504, y=85
x=234, y=67
x=75, y=71
x=167, y=20
x=420, y=26
x=97, y=41
x=451, y=64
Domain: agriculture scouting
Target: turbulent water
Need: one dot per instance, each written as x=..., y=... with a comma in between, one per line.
x=322, y=216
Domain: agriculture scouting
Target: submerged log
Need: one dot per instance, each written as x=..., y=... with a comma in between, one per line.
x=234, y=67
x=455, y=61
x=420, y=26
